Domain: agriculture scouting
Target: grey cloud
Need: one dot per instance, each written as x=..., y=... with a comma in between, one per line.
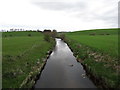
x=109, y=16
x=80, y=10
x=67, y=6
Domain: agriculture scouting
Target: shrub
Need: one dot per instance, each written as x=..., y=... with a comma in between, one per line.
x=47, y=37
x=10, y=35
x=29, y=35
x=62, y=36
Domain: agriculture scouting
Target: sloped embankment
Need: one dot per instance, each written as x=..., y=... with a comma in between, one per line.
x=102, y=69
x=97, y=50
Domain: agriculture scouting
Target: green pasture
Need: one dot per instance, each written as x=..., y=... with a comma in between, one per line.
x=20, y=53
x=99, y=51
x=107, y=44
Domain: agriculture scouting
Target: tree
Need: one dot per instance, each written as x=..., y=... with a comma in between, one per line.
x=54, y=33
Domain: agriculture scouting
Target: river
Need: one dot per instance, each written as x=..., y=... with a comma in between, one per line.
x=63, y=71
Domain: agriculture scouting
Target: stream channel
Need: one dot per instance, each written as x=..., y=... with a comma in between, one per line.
x=63, y=71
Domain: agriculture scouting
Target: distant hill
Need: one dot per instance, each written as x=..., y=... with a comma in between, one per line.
x=113, y=31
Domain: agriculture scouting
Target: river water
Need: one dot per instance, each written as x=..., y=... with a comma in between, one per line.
x=63, y=71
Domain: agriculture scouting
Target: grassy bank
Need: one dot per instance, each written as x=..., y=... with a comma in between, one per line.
x=98, y=51
x=23, y=55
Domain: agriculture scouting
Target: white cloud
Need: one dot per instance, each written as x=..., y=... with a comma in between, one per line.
x=62, y=15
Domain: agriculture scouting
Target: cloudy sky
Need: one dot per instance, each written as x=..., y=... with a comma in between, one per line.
x=62, y=15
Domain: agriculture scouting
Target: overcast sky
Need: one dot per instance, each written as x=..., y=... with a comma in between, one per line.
x=62, y=15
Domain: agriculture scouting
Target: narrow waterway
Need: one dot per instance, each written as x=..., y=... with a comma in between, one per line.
x=63, y=71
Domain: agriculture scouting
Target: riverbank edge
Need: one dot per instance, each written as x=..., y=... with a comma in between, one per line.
x=33, y=76
x=100, y=82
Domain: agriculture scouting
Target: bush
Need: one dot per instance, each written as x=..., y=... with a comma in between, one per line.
x=10, y=35
x=62, y=36
x=29, y=35
x=47, y=37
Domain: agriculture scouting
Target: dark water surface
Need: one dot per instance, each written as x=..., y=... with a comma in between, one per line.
x=63, y=71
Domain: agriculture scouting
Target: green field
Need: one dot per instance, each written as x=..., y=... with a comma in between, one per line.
x=21, y=52
x=107, y=44
x=98, y=50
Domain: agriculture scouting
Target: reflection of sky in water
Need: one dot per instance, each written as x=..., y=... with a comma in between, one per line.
x=61, y=49
x=58, y=72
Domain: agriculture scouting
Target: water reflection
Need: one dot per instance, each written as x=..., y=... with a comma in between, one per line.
x=63, y=71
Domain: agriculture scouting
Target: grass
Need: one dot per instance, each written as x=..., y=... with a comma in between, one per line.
x=113, y=31
x=98, y=50
x=107, y=44
x=22, y=44
x=21, y=33
x=21, y=53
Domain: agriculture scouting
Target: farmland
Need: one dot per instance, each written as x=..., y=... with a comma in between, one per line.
x=22, y=52
x=100, y=41
x=98, y=51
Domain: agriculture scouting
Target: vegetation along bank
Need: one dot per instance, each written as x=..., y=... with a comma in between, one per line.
x=97, y=50
x=24, y=55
